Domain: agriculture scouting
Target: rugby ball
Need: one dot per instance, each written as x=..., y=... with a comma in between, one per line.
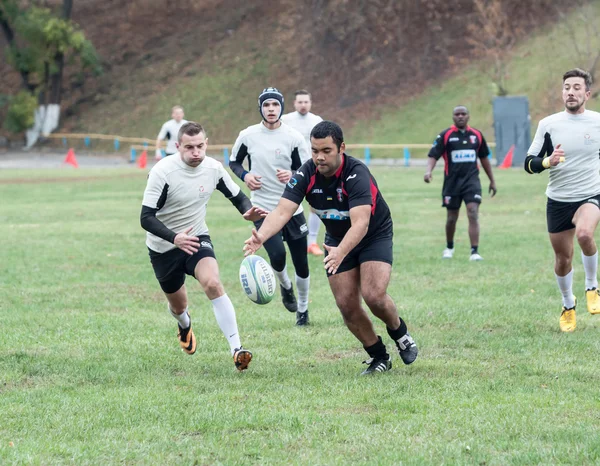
x=257, y=279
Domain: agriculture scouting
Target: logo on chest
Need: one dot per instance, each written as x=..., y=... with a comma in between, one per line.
x=473, y=139
x=587, y=140
x=317, y=191
x=278, y=154
x=339, y=192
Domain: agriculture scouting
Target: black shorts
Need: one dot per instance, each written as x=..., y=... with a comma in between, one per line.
x=295, y=229
x=172, y=266
x=559, y=215
x=379, y=248
x=468, y=191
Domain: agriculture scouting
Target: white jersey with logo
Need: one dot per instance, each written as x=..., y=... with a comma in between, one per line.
x=267, y=150
x=303, y=123
x=171, y=129
x=578, y=177
x=181, y=193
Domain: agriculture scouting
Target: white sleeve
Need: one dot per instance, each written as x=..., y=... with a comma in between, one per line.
x=162, y=134
x=538, y=141
x=156, y=188
x=225, y=183
x=303, y=149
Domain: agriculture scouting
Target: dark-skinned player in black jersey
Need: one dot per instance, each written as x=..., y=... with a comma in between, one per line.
x=358, y=240
x=461, y=146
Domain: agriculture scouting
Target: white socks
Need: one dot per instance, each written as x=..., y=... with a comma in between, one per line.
x=590, y=265
x=302, y=284
x=565, y=285
x=183, y=319
x=314, y=223
x=225, y=315
x=283, y=278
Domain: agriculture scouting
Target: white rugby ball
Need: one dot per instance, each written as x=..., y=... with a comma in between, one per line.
x=257, y=279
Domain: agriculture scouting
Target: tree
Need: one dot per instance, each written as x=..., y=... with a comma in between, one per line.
x=583, y=32
x=492, y=37
x=40, y=43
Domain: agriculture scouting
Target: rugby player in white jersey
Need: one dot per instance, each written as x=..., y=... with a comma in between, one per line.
x=274, y=151
x=567, y=144
x=304, y=121
x=173, y=214
x=169, y=131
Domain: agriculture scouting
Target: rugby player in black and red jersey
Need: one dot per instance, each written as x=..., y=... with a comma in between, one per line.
x=358, y=240
x=461, y=146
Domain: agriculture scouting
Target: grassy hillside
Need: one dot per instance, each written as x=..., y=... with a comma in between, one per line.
x=223, y=96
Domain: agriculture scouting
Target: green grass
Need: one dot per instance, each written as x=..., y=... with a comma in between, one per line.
x=91, y=372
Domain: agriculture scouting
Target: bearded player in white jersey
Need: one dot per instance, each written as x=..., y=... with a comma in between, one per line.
x=169, y=131
x=274, y=151
x=567, y=144
x=173, y=214
x=304, y=121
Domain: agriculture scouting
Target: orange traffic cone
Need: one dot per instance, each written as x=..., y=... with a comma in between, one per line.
x=507, y=162
x=142, y=160
x=70, y=158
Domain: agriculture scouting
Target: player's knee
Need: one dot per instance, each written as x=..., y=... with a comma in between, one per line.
x=374, y=298
x=277, y=260
x=563, y=260
x=346, y=304
x=213, y=287
x=473, y=214
x=585, y=235
x=452, y=219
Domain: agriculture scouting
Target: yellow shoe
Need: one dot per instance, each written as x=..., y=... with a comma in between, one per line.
x=593, y=300
x=315, y=250
x=187, y=339
x=568, y=319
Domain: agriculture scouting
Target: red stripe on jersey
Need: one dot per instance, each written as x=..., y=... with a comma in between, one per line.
x=445, y=154
x=311, y=183
x=374, y=192
x=338, y=172
x=344, y=190
x=480, y=138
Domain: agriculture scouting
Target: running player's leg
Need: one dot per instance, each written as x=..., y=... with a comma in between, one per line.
x=277, y=257
x=345, y=287
x=562, y=243
x=473, y=215
x=314, y=223
x=169, y=268
x=381, y=304
x=300, y=260
x=586, y=220
x=206, y=272
x=451, y=219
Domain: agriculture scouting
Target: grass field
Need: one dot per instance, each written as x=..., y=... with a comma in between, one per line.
x=91, y=372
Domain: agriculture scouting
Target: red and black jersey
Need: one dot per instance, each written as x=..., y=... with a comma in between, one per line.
x=332, y=198
x=460, y=150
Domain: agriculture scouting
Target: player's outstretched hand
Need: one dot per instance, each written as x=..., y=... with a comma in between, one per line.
x=253, y=181
x=252, y=244
x=427, y=177
x=333, y=259
x=158, y=155
x=283, y=175
x=558, y=156
x=492, y=189
x=187, y=243
x=254, y=214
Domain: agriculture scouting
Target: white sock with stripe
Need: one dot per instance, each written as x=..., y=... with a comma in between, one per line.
x=225, y=315
x=302, y=284
x=565, y=285
x=183, y=318
x=590, y=265
x=314, y=223
x=283, y=278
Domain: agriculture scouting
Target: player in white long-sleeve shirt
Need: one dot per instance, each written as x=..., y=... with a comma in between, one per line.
x=568, y=145
x=173, y=214
x=274, y=151
x=304, y=121
x=169, y=131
